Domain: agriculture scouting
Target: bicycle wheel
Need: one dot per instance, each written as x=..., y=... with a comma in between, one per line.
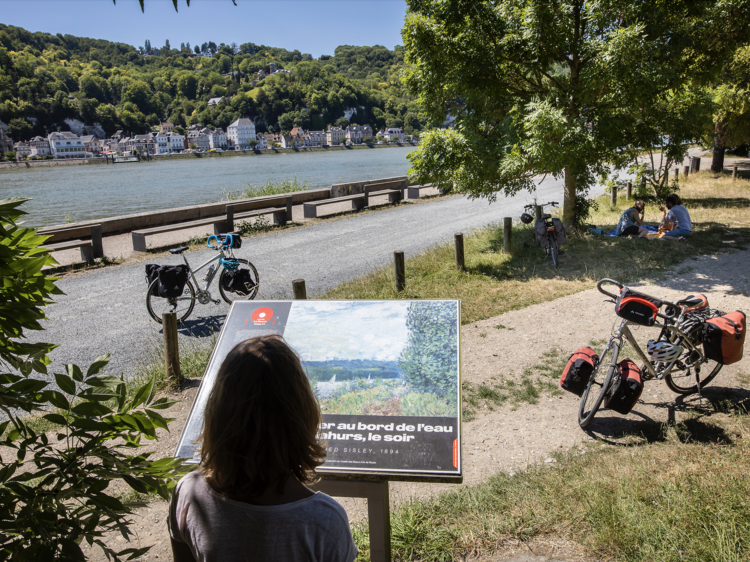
x=690, y=373
x=554, y=250
x=599, y=384
x=182, y=306
x=227, y=275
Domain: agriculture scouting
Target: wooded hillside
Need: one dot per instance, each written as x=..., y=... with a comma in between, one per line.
x=45, y=79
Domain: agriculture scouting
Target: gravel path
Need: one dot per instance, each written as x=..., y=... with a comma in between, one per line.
x=104, y=310
x=508, y=439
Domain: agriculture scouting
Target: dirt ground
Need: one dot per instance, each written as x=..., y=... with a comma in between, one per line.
x=511, y=437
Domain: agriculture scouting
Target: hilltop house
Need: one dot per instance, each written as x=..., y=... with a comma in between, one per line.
x=335, y=136
x=166, y=127
x=356, y=133
x=241, y=132
x=66, y=145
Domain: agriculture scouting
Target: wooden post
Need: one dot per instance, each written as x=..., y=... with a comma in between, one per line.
x=734, y=173
x=507, y=233
x=399, y=271
x=676, y=174
x=459, y=242
x=538, y=212
x=171, y=347
x=613, y=196
x=629, y=192
x=299, y=290
x=230, y=218
x=96, y=241
x=367, y=196
x=289, y=204
x=686, y=171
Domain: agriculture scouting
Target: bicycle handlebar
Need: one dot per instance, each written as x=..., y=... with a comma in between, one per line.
x=226, y=242
x=549, y=204
x=610, y=282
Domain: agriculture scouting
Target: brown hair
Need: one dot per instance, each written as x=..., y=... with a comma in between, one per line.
x=674, y=199
x=261, y=420
x=640, y=205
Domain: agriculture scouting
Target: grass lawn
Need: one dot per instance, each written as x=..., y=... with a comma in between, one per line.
x=494, y=282
x=675, y=493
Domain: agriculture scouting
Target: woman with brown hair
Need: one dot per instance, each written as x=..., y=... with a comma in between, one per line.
x=631, y=221
x=248, y=500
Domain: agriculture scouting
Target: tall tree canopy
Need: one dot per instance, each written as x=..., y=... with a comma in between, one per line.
x=552, y=86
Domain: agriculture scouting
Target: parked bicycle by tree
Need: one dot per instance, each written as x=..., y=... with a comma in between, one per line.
x=549, y=232
x=694, y=343
x=175, y=288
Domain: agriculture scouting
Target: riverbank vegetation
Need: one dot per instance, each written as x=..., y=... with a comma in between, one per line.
x=495, y=282
x=46, y=79
x=271, y=187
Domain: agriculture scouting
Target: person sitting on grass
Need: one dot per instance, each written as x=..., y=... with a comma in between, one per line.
x=248, y=499
x=631, y=221
x=678, y=215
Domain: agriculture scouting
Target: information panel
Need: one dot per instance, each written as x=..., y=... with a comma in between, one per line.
x=386, y=375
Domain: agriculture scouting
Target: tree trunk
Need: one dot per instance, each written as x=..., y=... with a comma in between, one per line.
x=569, y=202
x=717, y=162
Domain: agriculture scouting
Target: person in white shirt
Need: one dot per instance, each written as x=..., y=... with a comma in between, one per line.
x=248, y=499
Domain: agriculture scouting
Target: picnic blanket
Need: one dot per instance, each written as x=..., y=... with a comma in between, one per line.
x=651, y=230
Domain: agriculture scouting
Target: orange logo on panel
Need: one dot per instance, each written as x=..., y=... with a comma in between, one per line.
x=261, y=315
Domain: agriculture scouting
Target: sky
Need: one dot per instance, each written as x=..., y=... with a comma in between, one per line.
x=321, y=331
x=311, y=26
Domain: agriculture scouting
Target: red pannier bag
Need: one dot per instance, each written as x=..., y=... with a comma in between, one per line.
x=724, y=337
x=576, y=374
x=638, y=308
x=629, y=390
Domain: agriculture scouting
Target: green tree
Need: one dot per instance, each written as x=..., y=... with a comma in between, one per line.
x=550, y=87
x=429, y=361
x=19, y=129
x=53, y=488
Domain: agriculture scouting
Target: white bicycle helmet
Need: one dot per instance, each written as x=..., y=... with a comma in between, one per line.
x=663, y=351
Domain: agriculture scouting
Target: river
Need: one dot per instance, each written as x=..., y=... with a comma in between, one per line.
x=78, y=193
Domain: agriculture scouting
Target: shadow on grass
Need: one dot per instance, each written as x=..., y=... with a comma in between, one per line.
x=697, y=427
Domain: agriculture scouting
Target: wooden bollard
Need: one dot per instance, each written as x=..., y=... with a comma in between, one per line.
x=298, y=290
x=613, y=196
x=629, y=192
x=676, y=174
x=538, y=212
x=459, y=242
x=507, y=233
x=686, y=171
x=399, y=271
x=171, y=347
x=734, y=173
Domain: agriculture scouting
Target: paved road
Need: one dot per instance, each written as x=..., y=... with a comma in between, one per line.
x=104, y=311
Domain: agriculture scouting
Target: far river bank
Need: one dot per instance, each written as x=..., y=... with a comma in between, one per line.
x=76, y=192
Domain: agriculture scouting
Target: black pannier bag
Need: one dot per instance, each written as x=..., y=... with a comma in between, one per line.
x=559, y=231
x=576, y=374
x=172, y=280
x=636, y=307
x=240, y=282
x=627, y=393
x=540, y=232
x=152, y=274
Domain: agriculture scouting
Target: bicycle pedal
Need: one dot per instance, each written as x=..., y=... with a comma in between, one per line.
x=217, y=301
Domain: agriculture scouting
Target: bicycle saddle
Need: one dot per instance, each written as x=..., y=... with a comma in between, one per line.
x=546, y=216
x=178, y=250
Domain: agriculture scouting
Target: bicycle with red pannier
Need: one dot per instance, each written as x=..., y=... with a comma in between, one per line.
x=694, y=343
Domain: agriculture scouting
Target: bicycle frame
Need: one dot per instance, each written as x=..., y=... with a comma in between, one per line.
x=192, y=271
x=624, y=332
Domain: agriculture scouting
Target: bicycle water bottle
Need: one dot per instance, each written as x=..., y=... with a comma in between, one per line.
x=209, y=273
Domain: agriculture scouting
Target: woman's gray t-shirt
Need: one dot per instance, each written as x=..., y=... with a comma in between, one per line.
x=217, y=529
x=680, y=217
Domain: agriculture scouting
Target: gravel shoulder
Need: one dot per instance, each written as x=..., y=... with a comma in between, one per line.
x=509, y=438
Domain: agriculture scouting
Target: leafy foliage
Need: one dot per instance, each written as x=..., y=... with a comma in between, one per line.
x=554, y=87
x=53, y=77
x=54, y=489
x=429, y=361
